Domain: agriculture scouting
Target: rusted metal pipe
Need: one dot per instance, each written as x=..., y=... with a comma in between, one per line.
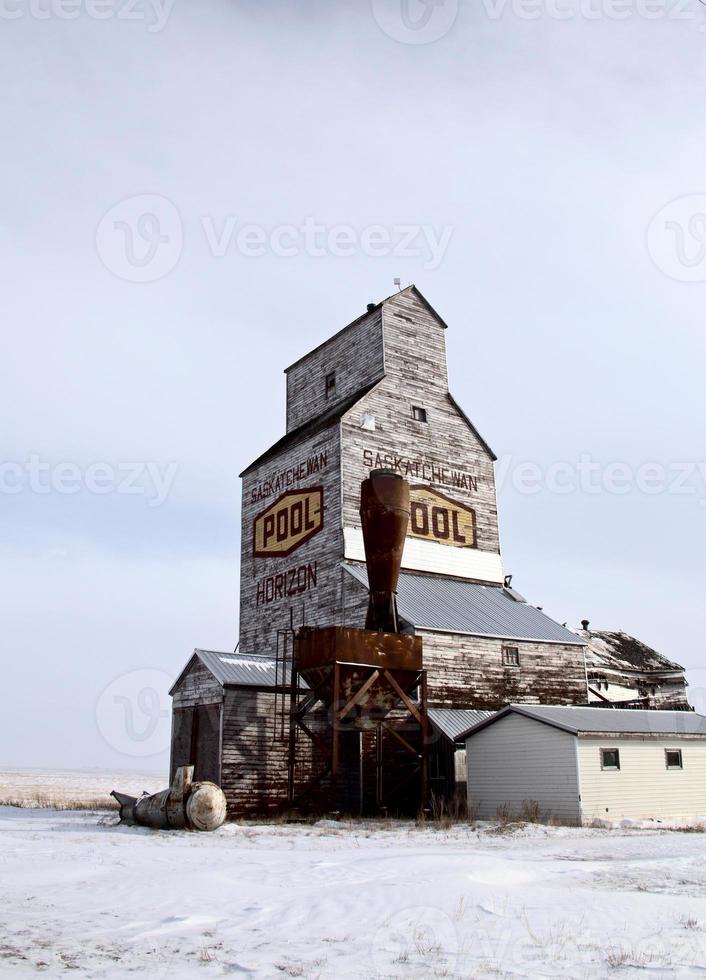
x=185, y=805
x=384, y=514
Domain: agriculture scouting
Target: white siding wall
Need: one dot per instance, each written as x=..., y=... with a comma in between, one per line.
x=430, y=556
x=643, y=787
x=518, y=759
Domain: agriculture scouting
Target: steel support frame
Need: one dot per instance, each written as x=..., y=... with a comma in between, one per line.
x=330, y=750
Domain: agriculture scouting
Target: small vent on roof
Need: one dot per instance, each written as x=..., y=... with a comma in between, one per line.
x=584, y=625
x=371, y=307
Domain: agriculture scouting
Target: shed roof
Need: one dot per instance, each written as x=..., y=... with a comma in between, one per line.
x=451, y=605
x=453, y=722
x=579, y=720
x=616, y=650
x=239, y=670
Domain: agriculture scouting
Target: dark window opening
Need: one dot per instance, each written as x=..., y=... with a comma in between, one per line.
x=610, y=759
x=673, y=759
x=419, y=414
x=511, y=656
x=331, y=384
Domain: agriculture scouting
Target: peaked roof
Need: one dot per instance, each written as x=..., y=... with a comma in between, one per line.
x=577, y=719
x=453, y=722
x=471, y=426
x=312, y=427
x=451, y=605
x=238, y=670
x=620, y=651
x=374, y=307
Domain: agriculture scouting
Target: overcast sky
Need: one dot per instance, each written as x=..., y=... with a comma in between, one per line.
x=541, y=180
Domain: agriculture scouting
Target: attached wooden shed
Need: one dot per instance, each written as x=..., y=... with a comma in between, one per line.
x=582, y=763
x=229, y=722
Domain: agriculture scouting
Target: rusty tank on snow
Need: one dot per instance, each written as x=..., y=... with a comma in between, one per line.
x=184, y=806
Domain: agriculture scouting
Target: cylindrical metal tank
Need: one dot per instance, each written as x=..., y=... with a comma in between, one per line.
x=384, y=514
x=194, y=806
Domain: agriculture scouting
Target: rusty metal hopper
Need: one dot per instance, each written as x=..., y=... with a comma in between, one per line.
x=358, y=655
x=384, y=514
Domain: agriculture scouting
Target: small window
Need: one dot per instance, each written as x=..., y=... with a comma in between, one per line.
x=331, y=384
x=672, y=758
x=419, y=414
x=610, y=759
x=511, y=656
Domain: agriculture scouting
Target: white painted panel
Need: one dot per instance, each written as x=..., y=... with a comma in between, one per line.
x=643, y=787
x=518, y=759
x=428, y=556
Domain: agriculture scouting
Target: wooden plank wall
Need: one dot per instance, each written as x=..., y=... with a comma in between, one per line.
x=314, y=563
x=355, y=354
x=468, y=672
x=443, y=452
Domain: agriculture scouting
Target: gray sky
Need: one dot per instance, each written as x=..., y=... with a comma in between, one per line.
x=532, y=152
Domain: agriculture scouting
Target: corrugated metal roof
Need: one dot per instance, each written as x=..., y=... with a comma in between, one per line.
x=249, y=670
x=625, y=721
x=454, y=606
x=453, y=722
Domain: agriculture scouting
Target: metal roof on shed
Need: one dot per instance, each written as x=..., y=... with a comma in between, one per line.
x=244, y=670
x=616, y=721
x=453, y=722
x=450, y=605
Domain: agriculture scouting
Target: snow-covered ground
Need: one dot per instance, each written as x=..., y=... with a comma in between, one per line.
x=80, y=894
x=61, y=787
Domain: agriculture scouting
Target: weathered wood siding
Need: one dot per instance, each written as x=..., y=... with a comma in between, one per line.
x=355, y=354
x=255, y=762
x=198, y=686
x=468, y=672
x=443, y=452
x=305, y=582
x=643, y=788
x=518, y=759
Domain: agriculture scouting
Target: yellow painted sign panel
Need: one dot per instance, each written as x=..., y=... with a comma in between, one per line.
x=436, y=517
x=292, y=519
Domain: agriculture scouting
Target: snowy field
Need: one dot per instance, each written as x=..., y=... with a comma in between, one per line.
x=82, y=896
x=67, y=787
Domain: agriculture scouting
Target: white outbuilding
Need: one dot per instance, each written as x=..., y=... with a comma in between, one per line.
x=582, y=763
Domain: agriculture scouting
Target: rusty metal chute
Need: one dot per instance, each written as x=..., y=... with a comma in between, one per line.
x=370, y=682
x=384, y=514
